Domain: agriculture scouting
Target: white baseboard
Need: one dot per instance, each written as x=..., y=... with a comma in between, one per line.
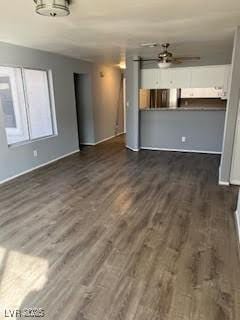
x=109, y=138
x=38, y=167
x=120, y=133
x=104, y=140
x=237, y=218
x=133, y=149
x=235, y=182
x=101, y=141
x=180, y=150
x=223, y=183
x=88, y=143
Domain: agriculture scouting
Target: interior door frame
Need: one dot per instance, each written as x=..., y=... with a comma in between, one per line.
x=236, y=146
x=124, y=106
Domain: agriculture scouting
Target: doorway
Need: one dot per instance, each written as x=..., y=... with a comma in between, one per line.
x=82, y=86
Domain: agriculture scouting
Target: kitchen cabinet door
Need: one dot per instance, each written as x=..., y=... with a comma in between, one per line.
x=189, y=77
x=180, y=77
x=150, y=79
x=164, y=78
x=175, y=78
x=208, y=76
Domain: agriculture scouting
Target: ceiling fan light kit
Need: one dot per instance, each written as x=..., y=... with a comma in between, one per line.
x=164, y=65
x=52, y=8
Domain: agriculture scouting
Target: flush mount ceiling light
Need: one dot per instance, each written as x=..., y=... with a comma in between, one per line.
x=52, y=8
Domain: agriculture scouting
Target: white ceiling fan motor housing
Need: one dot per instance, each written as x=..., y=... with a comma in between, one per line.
x=52, y=8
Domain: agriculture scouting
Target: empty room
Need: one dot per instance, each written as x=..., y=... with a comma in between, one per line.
x=120, y=160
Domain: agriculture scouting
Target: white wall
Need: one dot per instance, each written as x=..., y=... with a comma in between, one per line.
x=106, y=100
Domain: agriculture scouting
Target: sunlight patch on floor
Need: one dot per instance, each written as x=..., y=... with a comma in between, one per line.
x=20, y=274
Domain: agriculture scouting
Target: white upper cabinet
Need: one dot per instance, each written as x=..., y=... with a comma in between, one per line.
x=189, y=77
x=208, y=76
x=150, y=78
x=175, y=78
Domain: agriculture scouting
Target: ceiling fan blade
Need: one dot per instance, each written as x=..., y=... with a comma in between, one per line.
x=176, y=61
x=150, y=63
x=146, y=60
x=187, y=58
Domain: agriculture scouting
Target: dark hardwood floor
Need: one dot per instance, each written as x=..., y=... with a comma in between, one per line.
x=109, y=234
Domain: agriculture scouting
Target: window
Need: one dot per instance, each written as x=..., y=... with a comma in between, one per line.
x=13, y=105
x=26, y=104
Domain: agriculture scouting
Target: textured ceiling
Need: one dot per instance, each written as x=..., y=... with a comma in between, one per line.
x=104, y=30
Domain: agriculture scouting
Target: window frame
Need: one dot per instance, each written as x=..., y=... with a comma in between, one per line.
x=16, y=105
x=50, y=88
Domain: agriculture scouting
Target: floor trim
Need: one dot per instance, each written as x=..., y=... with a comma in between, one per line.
x=223, y=183
x=132, y=149
x=101, y=141
x=235, y=182
x=88, y=143
x=180, y=150
x=38, y=167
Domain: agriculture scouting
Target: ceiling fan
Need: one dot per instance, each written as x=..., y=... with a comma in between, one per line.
x=165, y=58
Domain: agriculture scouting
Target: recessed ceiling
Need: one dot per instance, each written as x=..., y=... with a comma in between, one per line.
x=104, y=30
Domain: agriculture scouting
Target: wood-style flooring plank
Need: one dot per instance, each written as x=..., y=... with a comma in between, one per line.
x=109, y=234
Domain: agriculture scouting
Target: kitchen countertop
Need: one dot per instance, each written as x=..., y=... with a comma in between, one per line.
x=184, y=109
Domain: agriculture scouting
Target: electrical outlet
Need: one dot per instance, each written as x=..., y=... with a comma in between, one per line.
x=184, y=139
x=35, y=153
